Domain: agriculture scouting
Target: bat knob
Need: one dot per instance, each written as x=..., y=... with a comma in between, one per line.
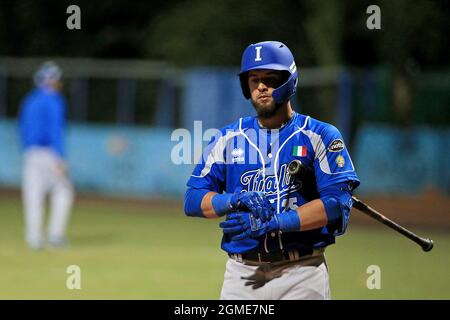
x=294, y=167
x=427, y=245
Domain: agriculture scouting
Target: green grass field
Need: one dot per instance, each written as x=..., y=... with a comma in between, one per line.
x=155, y=252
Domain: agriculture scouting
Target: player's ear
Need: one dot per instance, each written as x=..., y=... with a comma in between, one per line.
x=284, y=76
x=245, y=84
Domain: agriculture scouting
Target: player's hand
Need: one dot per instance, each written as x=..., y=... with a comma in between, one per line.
x=242, y=225
x=253, y=201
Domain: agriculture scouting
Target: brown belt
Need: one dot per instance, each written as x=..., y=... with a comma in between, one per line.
x=277, y=256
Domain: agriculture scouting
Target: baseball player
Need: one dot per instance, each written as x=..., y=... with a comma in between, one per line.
x=275, y=232
x=41, y=126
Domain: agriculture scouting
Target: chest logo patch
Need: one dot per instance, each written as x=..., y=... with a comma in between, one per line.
x=237, y=155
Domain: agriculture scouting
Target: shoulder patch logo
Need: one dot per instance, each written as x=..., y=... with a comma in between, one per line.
x=336, y=146
x=340, y=161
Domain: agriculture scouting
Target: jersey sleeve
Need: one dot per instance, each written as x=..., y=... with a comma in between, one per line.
x=209, y=173
x=332, y=162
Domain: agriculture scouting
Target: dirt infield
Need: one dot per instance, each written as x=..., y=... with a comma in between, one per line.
x=428, y=210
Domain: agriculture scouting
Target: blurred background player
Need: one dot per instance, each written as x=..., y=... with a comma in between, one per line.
x=42, y=124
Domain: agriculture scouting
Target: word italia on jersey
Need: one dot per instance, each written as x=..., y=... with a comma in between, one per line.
x=254, y=180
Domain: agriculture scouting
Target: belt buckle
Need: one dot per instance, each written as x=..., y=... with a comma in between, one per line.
x=278, y=256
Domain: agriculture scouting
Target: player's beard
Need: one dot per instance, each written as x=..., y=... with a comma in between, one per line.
x=266, y=110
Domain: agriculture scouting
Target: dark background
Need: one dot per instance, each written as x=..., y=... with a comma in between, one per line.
x=197, y=32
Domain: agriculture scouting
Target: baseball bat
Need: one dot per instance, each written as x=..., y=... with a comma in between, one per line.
x=296, y=168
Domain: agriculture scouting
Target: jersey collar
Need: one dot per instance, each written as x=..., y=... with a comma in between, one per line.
x=285, y=125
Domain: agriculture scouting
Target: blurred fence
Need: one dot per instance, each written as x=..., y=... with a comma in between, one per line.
x=136, y=92
x=101, y=91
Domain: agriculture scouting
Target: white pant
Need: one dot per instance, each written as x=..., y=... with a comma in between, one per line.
x=41, y=177
x=299, y=280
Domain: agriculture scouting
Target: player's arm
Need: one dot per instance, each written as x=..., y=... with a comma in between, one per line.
x=207, y=180
x=331, y=209
x=312, y=215
x=210, y=204
x=335, y=177
x=56, y=122
x=207, y=205
x=198, y=203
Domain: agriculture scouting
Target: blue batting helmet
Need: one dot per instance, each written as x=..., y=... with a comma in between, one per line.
x=47, y=71
x=271, y=55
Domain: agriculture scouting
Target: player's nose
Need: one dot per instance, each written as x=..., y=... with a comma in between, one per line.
x=262, y=86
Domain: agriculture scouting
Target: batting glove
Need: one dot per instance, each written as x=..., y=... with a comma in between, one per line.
x=243, y=225
x=256, y=202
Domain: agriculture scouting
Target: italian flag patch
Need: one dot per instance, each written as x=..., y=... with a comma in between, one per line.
x=299, y=151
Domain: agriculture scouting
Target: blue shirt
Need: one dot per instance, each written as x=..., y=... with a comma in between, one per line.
x=244, y=157
x=42, y=120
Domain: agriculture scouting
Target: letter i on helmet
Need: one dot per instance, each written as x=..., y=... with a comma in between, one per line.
x=271, y=55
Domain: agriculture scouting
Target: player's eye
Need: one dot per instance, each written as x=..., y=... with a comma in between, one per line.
x=254, y=81
x=271, y=82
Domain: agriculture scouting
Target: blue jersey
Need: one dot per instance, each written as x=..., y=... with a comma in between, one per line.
x=42, y=120
x=245, y=157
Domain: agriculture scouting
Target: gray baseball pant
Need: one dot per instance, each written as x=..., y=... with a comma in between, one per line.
x=305, y=279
